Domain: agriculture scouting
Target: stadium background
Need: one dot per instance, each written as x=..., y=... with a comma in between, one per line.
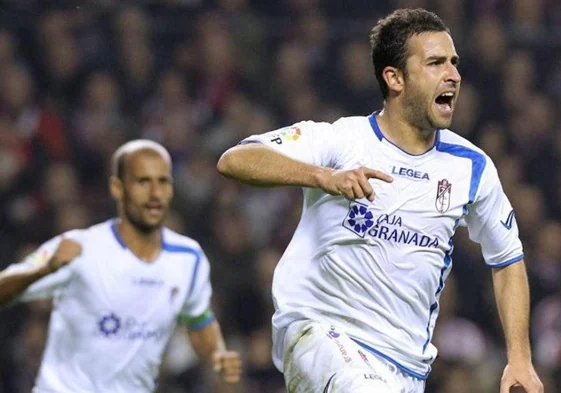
x=78, y=78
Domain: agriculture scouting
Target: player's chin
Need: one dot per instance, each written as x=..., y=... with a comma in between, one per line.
x=151, y=222
x=440, y=122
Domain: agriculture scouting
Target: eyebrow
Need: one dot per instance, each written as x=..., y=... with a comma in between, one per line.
x=454, y=59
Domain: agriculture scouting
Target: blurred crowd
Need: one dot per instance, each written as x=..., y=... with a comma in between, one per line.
x=78, y=78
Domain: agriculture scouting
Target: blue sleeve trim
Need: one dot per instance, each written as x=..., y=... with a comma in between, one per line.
x=202, y=324
x=250, y=141
x=506, y=263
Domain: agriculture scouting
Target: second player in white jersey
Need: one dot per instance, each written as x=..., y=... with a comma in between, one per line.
x=377, y=269
x=120, y=287
x=113, y=314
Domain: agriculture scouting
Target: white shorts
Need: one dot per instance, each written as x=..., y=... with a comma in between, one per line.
x=321, y=359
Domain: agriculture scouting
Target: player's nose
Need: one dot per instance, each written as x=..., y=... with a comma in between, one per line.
x=453, y=74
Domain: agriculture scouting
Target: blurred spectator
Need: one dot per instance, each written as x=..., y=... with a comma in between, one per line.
x=60, y=58
x=98, y=124
x=356, y=86
x=7, y=47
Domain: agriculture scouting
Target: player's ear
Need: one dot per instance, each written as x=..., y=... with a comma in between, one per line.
x=394, y=79
x=116, y=188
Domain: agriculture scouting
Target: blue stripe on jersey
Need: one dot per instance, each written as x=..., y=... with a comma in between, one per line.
x=380, y=135
x=169, y=248
x=188, y=250
x=116, y=234
x=447, y=266
x=509, y=262
x=374, y=124
x=477, y=163
x=434, y=306
x=389, y=359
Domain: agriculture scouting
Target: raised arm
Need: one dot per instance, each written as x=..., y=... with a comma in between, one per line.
x=260, y=165
x=513, y=302
x=14, y=281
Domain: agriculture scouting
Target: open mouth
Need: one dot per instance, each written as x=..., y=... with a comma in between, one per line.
x=445, y=101
x=154, y=210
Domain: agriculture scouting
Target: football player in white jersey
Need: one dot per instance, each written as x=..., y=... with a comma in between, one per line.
x=120, y=287
x=357, y=290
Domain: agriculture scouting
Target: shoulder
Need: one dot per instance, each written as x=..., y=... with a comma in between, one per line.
x=81, y=234
x=454, y=144
x=353, y=124
x=95, y=231
x=175, y=242
x=342, y=125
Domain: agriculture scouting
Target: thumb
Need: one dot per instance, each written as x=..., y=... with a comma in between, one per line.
x=376, y=174
x=506, y=384
x=217, y=362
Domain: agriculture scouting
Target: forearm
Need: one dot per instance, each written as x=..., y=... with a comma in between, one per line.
x=14, y=283
x=513, y=303
x=207, y=341
x=260, y=165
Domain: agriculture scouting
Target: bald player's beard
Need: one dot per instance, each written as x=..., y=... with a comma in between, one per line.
x=137, y=222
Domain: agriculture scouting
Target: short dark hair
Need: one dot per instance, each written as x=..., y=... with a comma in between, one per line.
x=390, y=36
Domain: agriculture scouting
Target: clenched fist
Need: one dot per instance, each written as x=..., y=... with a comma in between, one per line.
x=66, y=251
x=353, y=183
x=228, y=364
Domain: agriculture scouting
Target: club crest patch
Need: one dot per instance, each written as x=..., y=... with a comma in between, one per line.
x=443, y=192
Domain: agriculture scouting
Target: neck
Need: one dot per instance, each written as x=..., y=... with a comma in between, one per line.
x=145, y=245
x=399, y=131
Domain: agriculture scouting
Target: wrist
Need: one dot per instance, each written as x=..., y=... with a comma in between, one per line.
x=321, y=177
x=52, y=266
x=44, y=270
x=519, y=355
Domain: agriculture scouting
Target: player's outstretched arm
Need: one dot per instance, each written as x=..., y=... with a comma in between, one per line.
x=13, y=282
x=512, y=296
x=209, y=345
x=260, y=165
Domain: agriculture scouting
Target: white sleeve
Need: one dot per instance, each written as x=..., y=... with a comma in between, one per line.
x=491, y=222
x=47, y=286
x=197, y=302
x=320, y=144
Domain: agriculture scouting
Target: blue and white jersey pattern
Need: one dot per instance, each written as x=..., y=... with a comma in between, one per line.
x=113, y=314
x=377, y=269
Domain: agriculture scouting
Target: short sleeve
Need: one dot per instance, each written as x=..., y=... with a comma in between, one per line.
x=314, y=143
x=47, y=286
x=491, y=222
x=196, y=311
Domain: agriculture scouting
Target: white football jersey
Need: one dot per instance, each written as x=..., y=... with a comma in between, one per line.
x=113, y=314
x=377, y=269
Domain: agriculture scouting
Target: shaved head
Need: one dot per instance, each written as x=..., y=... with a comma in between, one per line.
x=119, y=158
